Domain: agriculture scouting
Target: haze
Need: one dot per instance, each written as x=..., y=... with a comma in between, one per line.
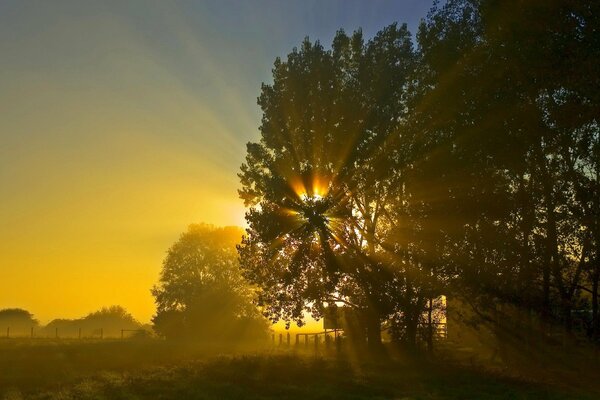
x=122, y=124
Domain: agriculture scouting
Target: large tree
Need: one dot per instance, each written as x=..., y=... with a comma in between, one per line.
x=319, y=183
x=507, y=108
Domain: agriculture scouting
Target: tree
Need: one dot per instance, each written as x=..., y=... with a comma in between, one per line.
x=19, y=321
x=507, y=107
x=106, y=322
x=385, y=177
x=111, y=320
x=320, y=180
x=201, y=293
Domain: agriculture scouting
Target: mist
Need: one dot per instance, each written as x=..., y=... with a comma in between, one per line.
x=300, y=200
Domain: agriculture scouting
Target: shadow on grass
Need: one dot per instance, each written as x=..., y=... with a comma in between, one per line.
x=158, y=370
x=296, y=377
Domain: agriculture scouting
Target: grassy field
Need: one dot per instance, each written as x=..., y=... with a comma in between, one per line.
x=157, y=370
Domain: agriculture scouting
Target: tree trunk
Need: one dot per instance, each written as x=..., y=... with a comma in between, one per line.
x=595, y=316
x=546, y=292
x=412, y=322
x=568, y=321
x=373, y=325
x=550, y=257
x=430, y=327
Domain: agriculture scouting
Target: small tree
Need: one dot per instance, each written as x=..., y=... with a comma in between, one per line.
x=111, y=320
x=18, y=320
x=201, y=293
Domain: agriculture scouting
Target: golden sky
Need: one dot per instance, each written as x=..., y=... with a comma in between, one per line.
x=123, y=122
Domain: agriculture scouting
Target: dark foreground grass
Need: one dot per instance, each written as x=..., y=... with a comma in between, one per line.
x=151, y=370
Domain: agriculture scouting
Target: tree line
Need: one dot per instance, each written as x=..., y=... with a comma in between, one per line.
x=106, y=322
x=464, y=162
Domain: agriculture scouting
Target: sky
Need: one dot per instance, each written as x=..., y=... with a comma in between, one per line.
x=122, y=122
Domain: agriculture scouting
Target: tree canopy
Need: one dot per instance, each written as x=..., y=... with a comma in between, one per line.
x=315, y=181
x=17, y=320
x=201, y=293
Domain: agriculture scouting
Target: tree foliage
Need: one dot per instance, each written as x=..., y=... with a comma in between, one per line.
x=509, y=112
x=201, y=293
x=17, y=320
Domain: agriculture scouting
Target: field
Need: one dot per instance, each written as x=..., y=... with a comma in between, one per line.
x=157, y=370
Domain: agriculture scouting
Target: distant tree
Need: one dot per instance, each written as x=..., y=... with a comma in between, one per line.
x=65, y=328
x=111, y=320
x=19, y=321
x=201, y=294
x=108, y=322
x=112, y=313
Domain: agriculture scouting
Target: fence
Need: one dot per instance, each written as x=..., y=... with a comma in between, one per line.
x=439, y=331
x=315, y=339
x=56, y=333
x=326, y=339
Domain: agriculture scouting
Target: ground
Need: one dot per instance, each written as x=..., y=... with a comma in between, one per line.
x=157, y=370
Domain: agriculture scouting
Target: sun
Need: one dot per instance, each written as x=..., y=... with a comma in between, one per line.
x=316, y=189
x=307, y=197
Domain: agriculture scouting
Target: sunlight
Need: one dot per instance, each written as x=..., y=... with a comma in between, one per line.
x=298, y=187
x=320, y=186
x=316, y=189
x=273, y=199
x=306, y=197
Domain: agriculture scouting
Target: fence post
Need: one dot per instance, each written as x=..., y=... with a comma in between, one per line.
x=446, y=330
x=280, y=339
x=297, y=339
x=56, y=333
x=288, y=339
x=316, y=342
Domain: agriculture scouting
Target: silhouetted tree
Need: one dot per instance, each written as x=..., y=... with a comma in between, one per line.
x=321, y=182
x=507, y=107
x=19, y=321
x=106, y=322
x=111, y=320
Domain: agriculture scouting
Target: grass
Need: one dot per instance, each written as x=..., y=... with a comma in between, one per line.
x=157, y=370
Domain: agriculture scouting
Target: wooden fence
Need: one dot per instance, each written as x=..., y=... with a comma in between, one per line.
x=98, y=333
